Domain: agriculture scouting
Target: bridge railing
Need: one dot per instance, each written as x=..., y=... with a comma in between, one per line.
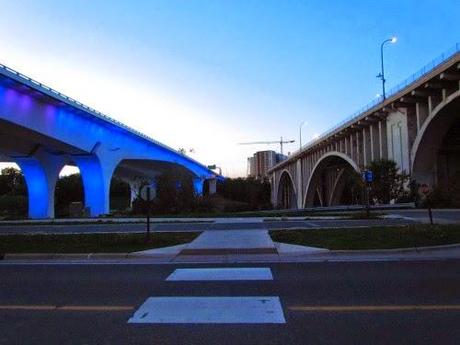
x=394, y=90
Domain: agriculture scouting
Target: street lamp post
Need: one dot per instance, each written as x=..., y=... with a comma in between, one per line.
x=381, y=76
x=300, y=133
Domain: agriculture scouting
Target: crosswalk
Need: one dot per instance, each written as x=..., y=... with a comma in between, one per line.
x=212, y=309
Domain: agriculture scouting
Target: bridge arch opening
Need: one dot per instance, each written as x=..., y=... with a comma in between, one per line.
x=286, y=192
x=334, y=181
x=68, y=193
x=14, y=196
x=436, y=150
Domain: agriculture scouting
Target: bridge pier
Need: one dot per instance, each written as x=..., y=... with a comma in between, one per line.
x=198, y=186
x=96, y=176
x=41, y=172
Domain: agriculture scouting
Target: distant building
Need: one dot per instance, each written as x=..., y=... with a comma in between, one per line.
x=261, y=161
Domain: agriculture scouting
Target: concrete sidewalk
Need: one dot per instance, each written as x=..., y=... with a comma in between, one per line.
x=216, y=245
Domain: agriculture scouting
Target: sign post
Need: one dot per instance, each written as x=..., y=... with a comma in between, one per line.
x=368, y=177
x=147, y=195
x=425, y=189
x=148, y=213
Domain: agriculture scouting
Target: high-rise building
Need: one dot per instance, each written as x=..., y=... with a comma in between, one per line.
x=261, y=161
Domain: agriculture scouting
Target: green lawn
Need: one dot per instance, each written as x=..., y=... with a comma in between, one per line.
x=372, y=238
x=90, y=243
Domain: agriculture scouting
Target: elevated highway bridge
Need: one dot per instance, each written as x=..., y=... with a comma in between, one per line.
x=43, y=130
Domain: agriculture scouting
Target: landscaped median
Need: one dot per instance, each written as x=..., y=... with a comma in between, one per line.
x=384, y=237
x=90, y=243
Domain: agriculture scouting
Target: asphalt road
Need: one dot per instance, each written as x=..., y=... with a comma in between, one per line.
x=450, y=215
x=181, y=227
x=90, y=304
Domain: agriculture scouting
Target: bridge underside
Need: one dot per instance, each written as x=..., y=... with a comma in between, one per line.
x=42, y=158
x=334, y=182
x=286, y=193
x=437, y=159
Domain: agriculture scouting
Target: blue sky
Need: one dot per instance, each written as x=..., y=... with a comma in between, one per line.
x=209, y=74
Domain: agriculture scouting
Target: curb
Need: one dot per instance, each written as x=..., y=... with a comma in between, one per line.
x=397, y=250
x=58, y=256
x=105, y=256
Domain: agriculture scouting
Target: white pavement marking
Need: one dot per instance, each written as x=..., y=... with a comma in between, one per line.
x=233, y=220
x=263, y=309
x=187, y=274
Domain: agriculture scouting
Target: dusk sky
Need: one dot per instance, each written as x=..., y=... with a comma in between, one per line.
x=210, y=74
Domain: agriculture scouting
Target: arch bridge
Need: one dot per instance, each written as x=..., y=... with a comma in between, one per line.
x=417, y=126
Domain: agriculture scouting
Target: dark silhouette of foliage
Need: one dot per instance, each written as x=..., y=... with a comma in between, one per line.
x=254, y=192
x=389, y=183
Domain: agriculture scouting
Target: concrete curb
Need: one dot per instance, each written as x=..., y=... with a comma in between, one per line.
x=118, y=256
x=63, y=256
x=397, y=250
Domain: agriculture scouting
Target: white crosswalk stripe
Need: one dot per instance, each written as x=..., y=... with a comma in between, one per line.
x=263, y=309
x=212, y=309
x=212, y=274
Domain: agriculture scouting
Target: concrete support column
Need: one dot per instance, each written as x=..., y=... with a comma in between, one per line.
x=421, y=113
x=375, y=142
x=198, y=184
x=96, y=176
x=299, y=183
x=352, y=151
x=383, y=149
x=358, y=151
x=212, y=186
x=371, y=137
x=41, y=173
x=365, y=148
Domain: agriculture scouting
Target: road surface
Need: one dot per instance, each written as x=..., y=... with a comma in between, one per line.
x=322, y=303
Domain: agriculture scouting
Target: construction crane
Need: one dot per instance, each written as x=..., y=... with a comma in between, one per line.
x=281, y=142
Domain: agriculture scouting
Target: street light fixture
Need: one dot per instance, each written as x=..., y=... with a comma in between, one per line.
x=300, y=133
x=381, y=76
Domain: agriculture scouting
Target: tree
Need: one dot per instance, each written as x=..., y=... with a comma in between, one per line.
x=254, y=192
x=175, y=193
x=12, y=182
x=68, y=189
x=389, y=183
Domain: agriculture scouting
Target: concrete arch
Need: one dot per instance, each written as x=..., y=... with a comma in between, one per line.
x=424, y=151
x=311, y=187
x=286, y=198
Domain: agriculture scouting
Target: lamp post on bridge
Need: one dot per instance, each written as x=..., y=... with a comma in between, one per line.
x=381, y=76
x=300, y=133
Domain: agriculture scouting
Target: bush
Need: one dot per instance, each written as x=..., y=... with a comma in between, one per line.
x=13, y=205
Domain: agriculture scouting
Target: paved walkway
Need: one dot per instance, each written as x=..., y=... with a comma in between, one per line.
x=235, y=244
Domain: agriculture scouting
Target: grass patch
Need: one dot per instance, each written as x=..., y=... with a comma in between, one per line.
x=90, y=243
x=419, y=235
